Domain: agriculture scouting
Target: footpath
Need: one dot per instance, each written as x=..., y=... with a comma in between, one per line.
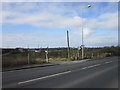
x=51, y=63
x=27, y=66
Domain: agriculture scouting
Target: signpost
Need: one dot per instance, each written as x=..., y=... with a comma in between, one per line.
x=82, y=45
x=83, y=34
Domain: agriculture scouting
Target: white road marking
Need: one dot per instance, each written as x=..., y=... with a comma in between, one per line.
x=84, y=68
x=27, y=81
x=44, y=77
x=94, y=65
x=90, y=66
x=108, y=62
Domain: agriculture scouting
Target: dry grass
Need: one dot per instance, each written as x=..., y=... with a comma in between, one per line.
x=19, y=60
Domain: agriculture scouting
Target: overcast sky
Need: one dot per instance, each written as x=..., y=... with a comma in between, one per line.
x=45, y=24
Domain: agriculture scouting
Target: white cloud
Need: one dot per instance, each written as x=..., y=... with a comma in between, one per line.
x=57, y=40
x=33, y=39
x=55, y=18
x=86, y=32
x=41, y=20
x=102, y=40
x=60, y=1
x=105, y=21
x=110, y=21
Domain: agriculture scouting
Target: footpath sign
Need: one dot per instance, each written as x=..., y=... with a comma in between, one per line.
x=82, y=45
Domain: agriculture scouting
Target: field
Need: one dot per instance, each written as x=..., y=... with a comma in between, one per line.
x=20, y=56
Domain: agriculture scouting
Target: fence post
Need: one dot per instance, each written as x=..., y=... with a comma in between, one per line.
x=92, y=55
x=46, y=54
x=28, y=56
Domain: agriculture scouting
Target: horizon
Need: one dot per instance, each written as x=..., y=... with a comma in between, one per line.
x=54, y=47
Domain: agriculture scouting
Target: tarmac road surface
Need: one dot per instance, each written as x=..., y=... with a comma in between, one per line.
x=101, y=73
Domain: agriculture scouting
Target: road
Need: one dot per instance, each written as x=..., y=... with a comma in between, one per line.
x=101, y=73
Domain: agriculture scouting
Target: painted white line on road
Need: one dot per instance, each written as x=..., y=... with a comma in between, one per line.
x=94, y=66
x=84, y=68
x=44, y=77
x=108, y=62
x=27, y=81
x=90, y=66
